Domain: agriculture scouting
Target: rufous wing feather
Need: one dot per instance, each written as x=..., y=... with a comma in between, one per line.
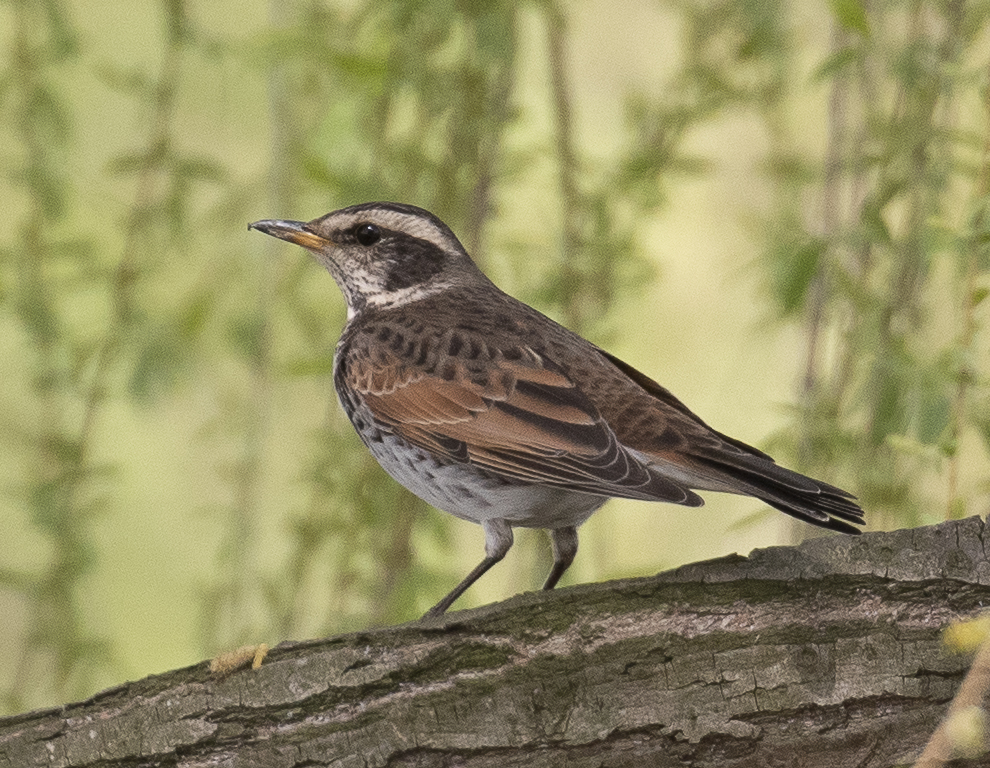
x=519, y=418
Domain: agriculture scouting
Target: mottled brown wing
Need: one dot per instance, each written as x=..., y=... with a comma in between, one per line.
x=510, y=413
x=697, y=450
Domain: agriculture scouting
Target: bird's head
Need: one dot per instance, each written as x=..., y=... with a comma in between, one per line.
x=381, y=254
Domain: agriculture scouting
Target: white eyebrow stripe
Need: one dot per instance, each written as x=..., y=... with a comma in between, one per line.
x=407, y=223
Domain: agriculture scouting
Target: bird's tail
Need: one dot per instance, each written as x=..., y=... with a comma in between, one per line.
x=753, y=473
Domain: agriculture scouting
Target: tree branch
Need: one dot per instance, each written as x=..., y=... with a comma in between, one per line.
x=825, y=654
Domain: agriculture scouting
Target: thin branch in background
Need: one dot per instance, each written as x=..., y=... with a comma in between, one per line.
x=978, y=224
x=281, y=199
x=571, y=241
x=136, y=224
x=396, y=553
x=231, y=599
x=570, y=282
x=499, y=112
x=830, y=223
x=311, y=533
x=884, y=406
x=58, y=654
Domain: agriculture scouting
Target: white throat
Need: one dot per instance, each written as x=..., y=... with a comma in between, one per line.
x=401, y=296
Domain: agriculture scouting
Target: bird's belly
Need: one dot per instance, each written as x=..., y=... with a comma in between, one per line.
x=473, y=494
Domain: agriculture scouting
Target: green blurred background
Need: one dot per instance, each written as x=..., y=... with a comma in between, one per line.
x=777, y=208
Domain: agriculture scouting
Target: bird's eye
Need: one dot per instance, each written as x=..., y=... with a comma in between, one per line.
x=367, y=234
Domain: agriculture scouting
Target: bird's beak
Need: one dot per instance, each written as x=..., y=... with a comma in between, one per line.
x=294, y=231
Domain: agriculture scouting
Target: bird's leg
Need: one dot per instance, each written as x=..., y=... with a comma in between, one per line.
x=565, y=546
x=498, y=540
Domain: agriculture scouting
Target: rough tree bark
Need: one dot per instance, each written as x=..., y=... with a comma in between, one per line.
x=826, y=654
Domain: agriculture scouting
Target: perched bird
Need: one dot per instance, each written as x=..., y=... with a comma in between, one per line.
x=491, y=411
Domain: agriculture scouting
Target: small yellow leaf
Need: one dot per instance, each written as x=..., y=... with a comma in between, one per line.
x=966, y=730
x=966, y=636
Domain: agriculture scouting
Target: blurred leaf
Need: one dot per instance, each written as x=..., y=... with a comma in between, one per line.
x=795, y=267
x=161, y=360
x=200, y=169
x=47, y=116
x=851, y=14
x=247, y=334
x=935, y=411
x=138, y=162
x=37, y=315
x=128, y=80
x=980, y=419
x=194, y=316
x=838, y=63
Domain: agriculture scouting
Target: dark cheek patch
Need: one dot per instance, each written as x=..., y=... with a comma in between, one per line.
x=411, y=261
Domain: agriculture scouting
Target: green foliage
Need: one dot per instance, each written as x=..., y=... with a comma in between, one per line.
x=851, y=14
x=887, y=276
x=57, y=482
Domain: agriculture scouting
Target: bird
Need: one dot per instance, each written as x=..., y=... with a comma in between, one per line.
x=488, y=409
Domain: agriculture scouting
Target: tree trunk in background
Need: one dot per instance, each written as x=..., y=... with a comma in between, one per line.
x=825, y=654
